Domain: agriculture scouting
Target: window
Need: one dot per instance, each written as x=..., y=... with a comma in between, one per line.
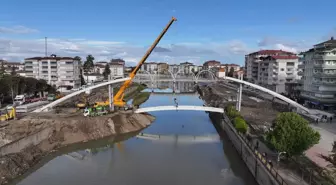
x=53, y=62
x=68, y=62
x=53, y=67
x=28, y=62
x=44, y=62
x=28, y=67
x=44, y=71
x=282, y=69
x=44, y=67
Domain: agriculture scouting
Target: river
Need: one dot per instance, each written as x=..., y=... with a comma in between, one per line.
x=145, y=162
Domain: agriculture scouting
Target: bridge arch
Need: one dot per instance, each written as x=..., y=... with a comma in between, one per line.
x=150, y=76
x=203, y=71
x=54, y=103
x=275, y=94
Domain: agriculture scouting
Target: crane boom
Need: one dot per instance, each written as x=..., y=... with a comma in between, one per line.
x=118, y=99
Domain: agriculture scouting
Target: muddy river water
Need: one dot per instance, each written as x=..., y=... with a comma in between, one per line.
x=141, y=161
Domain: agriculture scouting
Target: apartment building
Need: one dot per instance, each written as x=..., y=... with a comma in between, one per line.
x=192, y=69
x=162, y=67
x=319, y=75
x=174, y=68
x=252, y=62
x=117, y=68
x=274, y=72
x=59, y=71
x=184, y=68
x=99, y=68
x=211, y=64
x=228, y=67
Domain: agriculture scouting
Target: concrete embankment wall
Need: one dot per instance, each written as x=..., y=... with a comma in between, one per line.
x=252, y=160
x=20, y=144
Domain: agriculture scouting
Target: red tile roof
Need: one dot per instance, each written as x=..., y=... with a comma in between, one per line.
x=271, y=52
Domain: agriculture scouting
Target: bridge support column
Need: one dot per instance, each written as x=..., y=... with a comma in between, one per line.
x=240, y=92
x=110, y=90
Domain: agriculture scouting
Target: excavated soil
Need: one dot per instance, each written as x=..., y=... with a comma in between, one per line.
x=38, y=135
x=259, y=115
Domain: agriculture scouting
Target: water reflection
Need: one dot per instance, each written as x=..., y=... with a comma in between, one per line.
x=180, y=87
x=140, y=161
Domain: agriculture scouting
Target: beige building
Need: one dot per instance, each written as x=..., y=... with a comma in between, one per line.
x=59, y=71
x=162, y=67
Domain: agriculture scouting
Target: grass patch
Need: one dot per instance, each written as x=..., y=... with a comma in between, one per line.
x=141, y=98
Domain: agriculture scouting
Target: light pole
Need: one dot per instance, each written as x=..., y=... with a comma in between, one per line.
x=278, y=159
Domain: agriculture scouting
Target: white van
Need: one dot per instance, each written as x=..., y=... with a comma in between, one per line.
x=20, y=99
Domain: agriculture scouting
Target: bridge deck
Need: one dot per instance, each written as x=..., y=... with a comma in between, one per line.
x=180, y=107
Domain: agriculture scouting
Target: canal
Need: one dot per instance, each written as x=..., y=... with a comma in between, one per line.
x=144, y=162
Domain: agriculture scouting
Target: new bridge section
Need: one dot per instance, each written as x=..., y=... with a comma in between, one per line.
x=179, y=107
x=86, y=90
x=183, y=139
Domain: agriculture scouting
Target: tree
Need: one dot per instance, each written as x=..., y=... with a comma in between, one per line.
x=230, y=74
x=80, y=69
x=292, y=134
x=88, y=64
x=107, y=71
x=231, y=112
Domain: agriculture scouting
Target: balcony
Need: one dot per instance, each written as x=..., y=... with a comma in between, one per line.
x=325, y=75
x=325, y=83
x=328, y=66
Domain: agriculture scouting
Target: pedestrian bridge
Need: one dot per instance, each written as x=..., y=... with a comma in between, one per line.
x=183, y=139
x=179, y=107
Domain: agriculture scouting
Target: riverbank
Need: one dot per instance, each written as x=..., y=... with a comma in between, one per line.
x=29, y=140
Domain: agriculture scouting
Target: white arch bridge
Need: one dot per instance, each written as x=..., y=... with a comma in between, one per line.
x=212, y=109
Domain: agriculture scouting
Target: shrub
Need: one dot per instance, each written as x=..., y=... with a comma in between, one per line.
x=231, y=112
x=240, y=125
x=292, y=134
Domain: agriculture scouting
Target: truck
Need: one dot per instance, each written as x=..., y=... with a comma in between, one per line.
x=20, y=99
x=53, y=97
x=95, y=111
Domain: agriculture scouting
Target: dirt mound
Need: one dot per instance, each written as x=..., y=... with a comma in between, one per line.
x=51, y=134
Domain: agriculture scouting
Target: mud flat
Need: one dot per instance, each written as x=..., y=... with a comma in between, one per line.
x=25, y=142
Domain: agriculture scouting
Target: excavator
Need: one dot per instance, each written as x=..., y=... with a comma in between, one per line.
x=118, y=99
x=6, y=114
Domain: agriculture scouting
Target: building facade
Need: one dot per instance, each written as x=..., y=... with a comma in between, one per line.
x=117, y=68
x=59, y=71
x=274, y=72
x=162, y=68
x=252, y=62
x=319, y=76
x=174, y=68
x=211, y=64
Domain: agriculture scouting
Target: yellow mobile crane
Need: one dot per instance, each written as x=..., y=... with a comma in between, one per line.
x=118, y=99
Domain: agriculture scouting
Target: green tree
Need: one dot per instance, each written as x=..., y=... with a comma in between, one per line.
x=292, y=134
x=88, y=64
x=230, y=74
x=240, y=125
x=80, y=69
x=107, y=71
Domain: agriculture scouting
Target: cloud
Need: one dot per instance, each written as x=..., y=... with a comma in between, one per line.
x=283, y=44
x=18, y=49
x=17, y=30
x=161, y=49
